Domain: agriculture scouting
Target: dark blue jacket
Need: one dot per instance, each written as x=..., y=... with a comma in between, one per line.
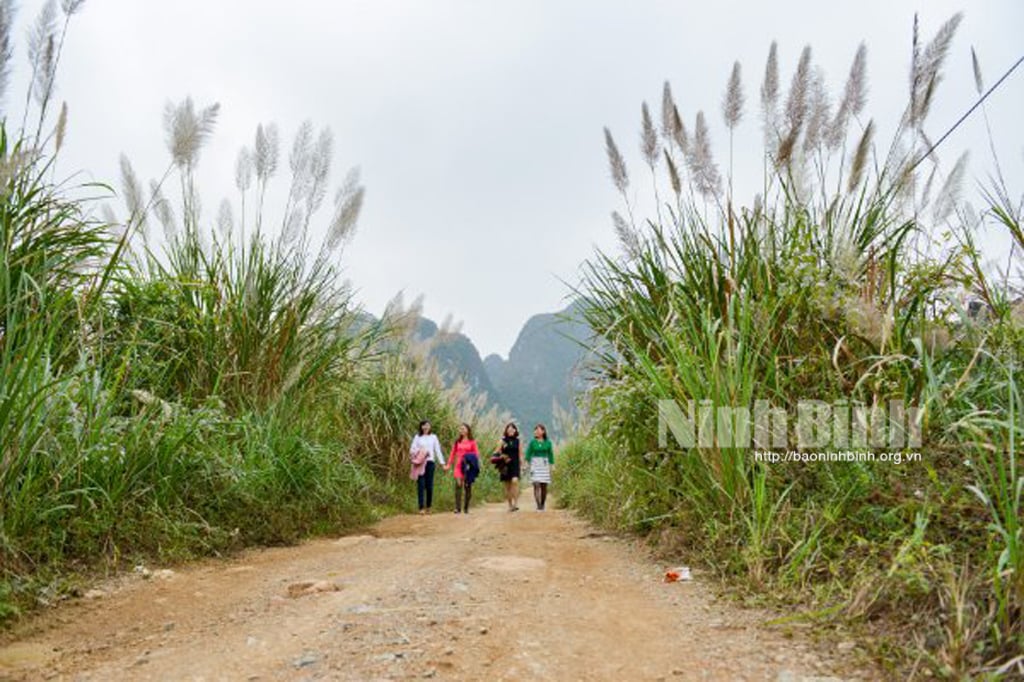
x=470, y=467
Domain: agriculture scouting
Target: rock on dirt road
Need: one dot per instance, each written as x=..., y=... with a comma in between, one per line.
x=486, y=596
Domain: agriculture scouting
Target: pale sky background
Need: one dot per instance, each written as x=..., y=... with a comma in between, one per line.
x=478, y=125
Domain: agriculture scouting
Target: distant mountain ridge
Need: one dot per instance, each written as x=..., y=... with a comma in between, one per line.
x=540, y=372
x=457, y=358
x=542, y=367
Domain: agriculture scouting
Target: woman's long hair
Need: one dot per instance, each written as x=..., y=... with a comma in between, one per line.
x=514, y=428
x=544, y=429
x=469, y=432
x=423, y=423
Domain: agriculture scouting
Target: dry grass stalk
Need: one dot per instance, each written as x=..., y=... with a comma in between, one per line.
x=6, y=48
x=770, y=93
x=225, y=219
x=62, y=127
x=243, y=170
x=348, y=204
x=854, y=99
x=188, y=130
x=701, y=160
x=799, y=92
x=732, y=103
x=979, y=82
x=679, y=135
x=628, y=237
x=133, y=194
x=299, y=157
x=163, y=210
x=949, y=195
x=855, y=95
x=673, y=175
x=71, y=6
x=450, y=327
x=293, y=221
x=926, y=72
x=401, y=318
x=860, y=157
x=819, y=110
x=668, y=105
x=42, y=51
x=267, y=151
x=648, y=137
x=319, y=170
x=616, y=163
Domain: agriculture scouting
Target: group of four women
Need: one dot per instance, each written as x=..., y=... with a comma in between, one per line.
x=464, y=463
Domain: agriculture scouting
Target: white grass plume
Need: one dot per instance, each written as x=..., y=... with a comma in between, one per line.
x=668, y=105
x=673, y=175
x=243, y=170
x=134, y=198
x=628, y=237
x=163, y=211
x=949, y=195
x=819, y=112
x=348, y=204
x=71, y=7
x=6, y=47
x=860, y=157
x=770, y=94
x=799, y=90
x=293, y=222
x=733, y=101
x=616, y=163
x=926, y=72
x=701, y=161
x=225, y=218
x=319, y=171
x=267, y=151
x=648, y=137
x=679, y=134
x=298, y=160
x=188, y=130
x=979, y=82
x=61, y=129
x=853, y=101
x=42, y=51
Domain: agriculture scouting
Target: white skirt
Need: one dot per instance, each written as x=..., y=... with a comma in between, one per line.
x=540, y=470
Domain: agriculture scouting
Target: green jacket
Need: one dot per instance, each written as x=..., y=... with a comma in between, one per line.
x=540, y=448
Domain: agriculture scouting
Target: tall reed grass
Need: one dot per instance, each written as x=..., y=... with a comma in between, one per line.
x=163, y=396
x=831, y=285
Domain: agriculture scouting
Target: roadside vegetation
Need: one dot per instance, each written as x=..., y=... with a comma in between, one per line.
x=856, y=274
x=174, y=384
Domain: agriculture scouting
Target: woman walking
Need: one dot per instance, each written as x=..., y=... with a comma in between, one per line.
x=425, y=452
x=541, y=457
x=465, y=463
x=509, y=453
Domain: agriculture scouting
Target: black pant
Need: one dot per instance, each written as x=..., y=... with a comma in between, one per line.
x=425, y=486
x=466, y=489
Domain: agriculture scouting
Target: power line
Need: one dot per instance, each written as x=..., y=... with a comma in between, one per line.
x=981, y=100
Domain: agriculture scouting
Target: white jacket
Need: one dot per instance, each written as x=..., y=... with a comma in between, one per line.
x=429, y=443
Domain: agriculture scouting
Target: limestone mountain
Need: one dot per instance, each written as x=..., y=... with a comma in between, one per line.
x=542, y=368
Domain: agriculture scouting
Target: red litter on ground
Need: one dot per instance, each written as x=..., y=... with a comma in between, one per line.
x=678, y=574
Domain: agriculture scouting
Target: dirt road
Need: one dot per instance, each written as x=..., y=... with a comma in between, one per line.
x=487, y=596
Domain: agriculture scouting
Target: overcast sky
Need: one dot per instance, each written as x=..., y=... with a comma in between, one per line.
x=478, y=125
